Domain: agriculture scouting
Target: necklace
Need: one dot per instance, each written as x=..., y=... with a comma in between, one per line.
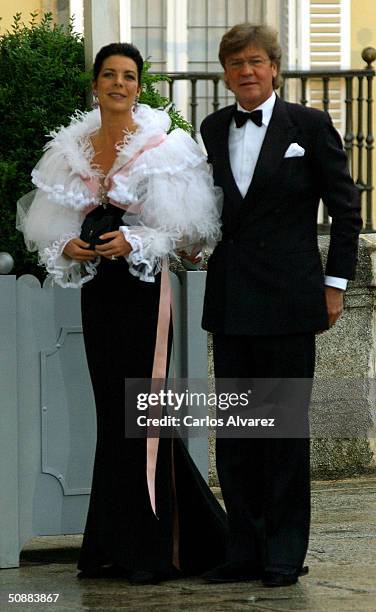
x=103, y=195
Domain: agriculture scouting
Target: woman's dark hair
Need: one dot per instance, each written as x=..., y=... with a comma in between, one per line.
x=126, y=49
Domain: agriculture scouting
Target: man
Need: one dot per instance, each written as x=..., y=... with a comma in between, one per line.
x=266, y=294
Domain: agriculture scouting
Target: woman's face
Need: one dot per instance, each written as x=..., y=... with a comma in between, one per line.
x=117, y=84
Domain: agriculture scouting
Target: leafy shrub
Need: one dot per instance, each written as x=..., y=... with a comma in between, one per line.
x=150, y=95
x=42, y=82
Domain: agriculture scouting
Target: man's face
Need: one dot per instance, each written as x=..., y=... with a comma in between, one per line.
x=249, y=74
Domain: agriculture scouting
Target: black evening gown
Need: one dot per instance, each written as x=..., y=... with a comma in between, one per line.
x=119, y=316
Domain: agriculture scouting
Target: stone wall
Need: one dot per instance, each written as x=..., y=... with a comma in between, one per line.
x=346, y=355
x=344, y=401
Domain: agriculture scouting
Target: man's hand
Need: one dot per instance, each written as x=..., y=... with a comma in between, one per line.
x=194, y=258
x=334, y=303
x=77, y=249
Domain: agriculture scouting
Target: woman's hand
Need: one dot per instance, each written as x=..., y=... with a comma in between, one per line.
x=117, y=247
x=77, y=249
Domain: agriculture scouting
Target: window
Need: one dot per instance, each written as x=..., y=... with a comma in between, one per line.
x=148, y=18
x=208, y=20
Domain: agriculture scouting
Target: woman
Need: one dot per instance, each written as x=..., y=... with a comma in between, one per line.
x=150, y=514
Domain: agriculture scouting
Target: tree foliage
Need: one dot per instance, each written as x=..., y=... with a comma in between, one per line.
x=42, y=83
x=150, y=95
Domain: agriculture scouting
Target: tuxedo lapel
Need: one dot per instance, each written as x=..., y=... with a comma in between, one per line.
x=219, y=143
x=277, y=139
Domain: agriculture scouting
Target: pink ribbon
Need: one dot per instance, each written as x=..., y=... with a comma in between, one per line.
x=158, y=379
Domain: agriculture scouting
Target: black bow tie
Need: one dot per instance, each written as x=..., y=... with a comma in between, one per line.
x=241, y=118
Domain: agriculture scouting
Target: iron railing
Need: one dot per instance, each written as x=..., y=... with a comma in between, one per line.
x=358, y=115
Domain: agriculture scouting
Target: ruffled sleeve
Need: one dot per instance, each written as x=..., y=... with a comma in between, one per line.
x=149, y=246
x=47, y=227
x=66, y=160
x=178, y=206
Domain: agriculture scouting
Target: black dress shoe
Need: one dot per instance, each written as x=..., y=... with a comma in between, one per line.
x=234, y=571
x=109, y=571
x=275, y=579
x=173, y=574
x=144, y=577
x=149, y=577
x=281, y=579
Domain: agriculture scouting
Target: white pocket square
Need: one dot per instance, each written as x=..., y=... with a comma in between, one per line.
x=294, y=150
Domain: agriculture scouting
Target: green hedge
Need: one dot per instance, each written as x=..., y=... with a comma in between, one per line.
x=42, y=82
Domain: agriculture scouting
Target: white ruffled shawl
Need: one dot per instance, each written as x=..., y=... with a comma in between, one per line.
x=170, y=186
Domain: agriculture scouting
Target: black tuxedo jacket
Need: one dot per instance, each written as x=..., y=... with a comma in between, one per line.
x=266, y=276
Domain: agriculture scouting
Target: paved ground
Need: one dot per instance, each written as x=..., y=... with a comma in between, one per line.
x=342, y=560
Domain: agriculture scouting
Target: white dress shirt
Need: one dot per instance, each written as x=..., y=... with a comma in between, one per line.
x=244, y=145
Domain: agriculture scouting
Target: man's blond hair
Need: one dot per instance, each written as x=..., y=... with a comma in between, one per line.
x=244, y=34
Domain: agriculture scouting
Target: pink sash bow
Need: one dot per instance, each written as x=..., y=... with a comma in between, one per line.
x=93, y=183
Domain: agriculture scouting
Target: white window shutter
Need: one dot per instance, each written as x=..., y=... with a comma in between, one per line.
x=326, y=33
x=325, y=44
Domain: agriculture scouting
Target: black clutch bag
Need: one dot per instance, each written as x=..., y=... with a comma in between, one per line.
x=99, y=221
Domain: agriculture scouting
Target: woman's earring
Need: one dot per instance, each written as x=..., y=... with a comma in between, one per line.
x=135, y=103
x=95, y=102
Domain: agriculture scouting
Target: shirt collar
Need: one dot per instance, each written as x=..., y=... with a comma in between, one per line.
x=266, y=107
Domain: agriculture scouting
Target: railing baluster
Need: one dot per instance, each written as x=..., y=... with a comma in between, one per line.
x=349, y=135
x=303, y=99
x=360, y=138
x=194, y=104
x=215, y=94
x=325, y=94
x=325, y=227
x=171, y=90
x=325, y=105
x=369, y=56
x=369, y=149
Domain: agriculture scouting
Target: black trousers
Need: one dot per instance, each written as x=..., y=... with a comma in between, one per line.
x=266, y=482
